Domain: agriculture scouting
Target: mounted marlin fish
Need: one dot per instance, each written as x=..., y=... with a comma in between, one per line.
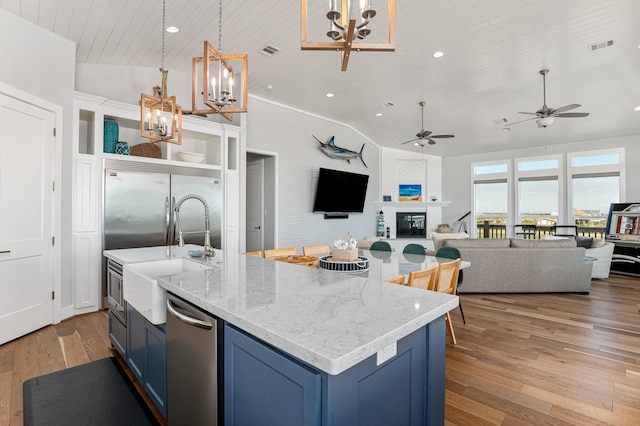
x=331, y=150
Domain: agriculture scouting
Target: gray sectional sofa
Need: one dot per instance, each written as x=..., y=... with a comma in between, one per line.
x=523, y=266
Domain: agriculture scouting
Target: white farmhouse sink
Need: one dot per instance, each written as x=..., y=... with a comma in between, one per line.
x=141, y=289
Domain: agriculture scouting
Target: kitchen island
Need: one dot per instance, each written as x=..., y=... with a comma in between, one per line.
x=372, y=352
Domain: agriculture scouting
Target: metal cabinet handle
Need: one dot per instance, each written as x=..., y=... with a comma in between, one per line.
x=167, y=221
x=5, y=251
x=187, y=319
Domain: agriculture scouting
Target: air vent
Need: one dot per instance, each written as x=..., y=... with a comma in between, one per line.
x=600, y=45
x=269, y=50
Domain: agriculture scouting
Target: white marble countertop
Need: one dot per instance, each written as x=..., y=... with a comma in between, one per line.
x=330, y=320
x=147, y=254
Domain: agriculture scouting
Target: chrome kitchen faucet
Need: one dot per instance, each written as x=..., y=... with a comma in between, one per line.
x=208, y=249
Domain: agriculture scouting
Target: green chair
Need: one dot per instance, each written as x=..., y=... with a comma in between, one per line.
x=380, y=246
x=414, y=249
x=453, y=253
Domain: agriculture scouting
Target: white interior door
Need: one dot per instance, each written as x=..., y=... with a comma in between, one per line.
x=26, y=217
x=255, y=205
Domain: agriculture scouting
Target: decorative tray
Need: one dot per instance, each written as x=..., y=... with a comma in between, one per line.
x=358, y=265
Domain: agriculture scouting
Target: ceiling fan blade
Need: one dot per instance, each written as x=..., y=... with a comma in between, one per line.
x=521, y=121
x=566, y=108
x=572, y=114
x=441, y=136
x=431, y=141
x=412, y=140
x=528, y=113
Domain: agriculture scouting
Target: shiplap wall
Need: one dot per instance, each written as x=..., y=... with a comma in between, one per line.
x=275, y=128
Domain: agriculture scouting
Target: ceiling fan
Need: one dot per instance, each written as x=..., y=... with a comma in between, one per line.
x=423, y=134
x=545, y=116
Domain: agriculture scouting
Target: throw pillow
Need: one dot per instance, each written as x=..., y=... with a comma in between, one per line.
x=585, y=242
x=598, y=242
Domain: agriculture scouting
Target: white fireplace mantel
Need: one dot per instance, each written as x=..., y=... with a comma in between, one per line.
x=412, y=204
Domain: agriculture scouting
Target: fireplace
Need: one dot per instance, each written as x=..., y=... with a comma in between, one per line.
x=411, y=225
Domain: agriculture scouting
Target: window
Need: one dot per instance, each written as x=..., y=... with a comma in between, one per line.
x=490, y=199
x=595, y=183
x=539, y=193
x=538, y=201
x=546, y=191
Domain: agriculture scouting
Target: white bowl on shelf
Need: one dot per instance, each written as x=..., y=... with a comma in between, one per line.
x=191, y=157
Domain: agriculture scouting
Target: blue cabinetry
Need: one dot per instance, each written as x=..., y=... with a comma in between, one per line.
x=146, y=355
x=263, y=385
x=118, y=334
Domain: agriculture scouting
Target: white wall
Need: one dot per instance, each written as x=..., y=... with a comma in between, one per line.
x=35, y=60
x=275, y=128
x=43, y=64
x=456, y=177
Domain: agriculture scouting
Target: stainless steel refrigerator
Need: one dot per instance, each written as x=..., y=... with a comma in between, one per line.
x=139, y=200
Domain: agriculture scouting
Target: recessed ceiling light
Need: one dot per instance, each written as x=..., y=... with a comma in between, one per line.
x=438, y=54
x=173, y=29
x=269, y=87
x=329, y=95
x=379, y=114
x=637, y=108
x=506, y=129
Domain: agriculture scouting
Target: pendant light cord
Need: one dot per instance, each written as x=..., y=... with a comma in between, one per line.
x=220, y=26
x=163, y=31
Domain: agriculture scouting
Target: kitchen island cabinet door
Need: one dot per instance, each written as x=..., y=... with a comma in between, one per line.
x=146, y=355
x=265, y=387
x=118, y=335
x=406, y=389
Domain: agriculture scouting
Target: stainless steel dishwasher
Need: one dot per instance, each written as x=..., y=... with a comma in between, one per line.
x=192, y=365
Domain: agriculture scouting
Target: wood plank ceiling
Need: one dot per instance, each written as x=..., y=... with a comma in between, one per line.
x=493, y=52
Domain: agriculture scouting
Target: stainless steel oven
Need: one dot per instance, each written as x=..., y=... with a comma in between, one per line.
x=115, y=292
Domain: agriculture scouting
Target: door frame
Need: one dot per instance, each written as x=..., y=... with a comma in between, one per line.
x=258, y=163
x=243, y=201
x=56, y=220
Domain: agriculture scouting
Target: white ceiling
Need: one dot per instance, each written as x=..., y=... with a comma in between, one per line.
x=493, y=52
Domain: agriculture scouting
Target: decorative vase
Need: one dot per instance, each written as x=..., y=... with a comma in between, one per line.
x=110, y=136
x=122, y=148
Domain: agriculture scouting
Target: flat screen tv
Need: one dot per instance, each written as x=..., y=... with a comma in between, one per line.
x=340, y=192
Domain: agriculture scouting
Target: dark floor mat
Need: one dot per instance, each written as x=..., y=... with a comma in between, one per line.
x=97, y=393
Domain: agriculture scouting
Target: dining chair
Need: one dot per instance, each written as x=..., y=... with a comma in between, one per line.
x=414, y=249
x=268, y=254
x=253, y=253
x=317, y=250
x=454, y=253
x=380, y=246
x=397, y=280
x=446, y=282
x=424, y=278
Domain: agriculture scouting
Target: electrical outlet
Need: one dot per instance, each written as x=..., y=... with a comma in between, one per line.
x=387, y=353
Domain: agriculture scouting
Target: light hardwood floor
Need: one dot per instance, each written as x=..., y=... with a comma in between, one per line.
x=545, y=359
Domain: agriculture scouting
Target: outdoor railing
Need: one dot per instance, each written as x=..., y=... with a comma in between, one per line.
x=488, y=230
